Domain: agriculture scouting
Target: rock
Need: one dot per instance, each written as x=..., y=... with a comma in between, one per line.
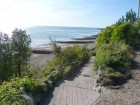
x=98, y=89
x=51, y=78
x=115, y=87
x=40, y=89
x=44, y=86
x=37, y=98
x=51, y=84
x=28, y=100
x=56, y=74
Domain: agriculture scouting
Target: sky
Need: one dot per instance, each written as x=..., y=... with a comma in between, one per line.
x=75, y=13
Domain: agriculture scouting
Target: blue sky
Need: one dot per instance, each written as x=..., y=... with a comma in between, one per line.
x=78, y=13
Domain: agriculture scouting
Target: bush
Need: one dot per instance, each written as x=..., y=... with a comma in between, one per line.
x=11, y=93
x=70, y=56
x=73, y=54
x=104, y=36
x=113, y=55
x=114, y=60
x=127, y=32
x=110, y=76
x=65, y=62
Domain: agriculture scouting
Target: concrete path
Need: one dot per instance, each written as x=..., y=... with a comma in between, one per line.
x=77, y=90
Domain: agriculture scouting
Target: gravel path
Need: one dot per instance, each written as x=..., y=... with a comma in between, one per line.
x=129, y=94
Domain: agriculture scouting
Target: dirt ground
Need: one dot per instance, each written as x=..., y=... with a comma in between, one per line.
x=129, y=93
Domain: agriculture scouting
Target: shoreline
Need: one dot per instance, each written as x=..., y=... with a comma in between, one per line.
x=86, y=38
x=42, y=55
x=76, y=42
x=47, y=48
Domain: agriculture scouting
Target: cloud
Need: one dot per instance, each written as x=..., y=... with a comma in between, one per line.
x=24, y=13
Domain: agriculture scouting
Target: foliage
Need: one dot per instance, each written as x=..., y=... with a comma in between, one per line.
x=114, y=60
x=69, y=59
x=130, y=16
x=111, y=76
x=6, y=59
x=114, y=48
x=14, y=54
x=21, y=49
x=127, y=32
x=73, y=54
x=11, y=93
x=104, y=36
x=56, y=48
x=114, y=55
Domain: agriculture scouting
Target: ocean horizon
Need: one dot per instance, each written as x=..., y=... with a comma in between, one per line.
x=40, y=34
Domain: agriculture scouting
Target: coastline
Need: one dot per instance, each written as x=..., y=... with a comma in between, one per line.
x=42, y=55
x=47, y=48
x=86, y=38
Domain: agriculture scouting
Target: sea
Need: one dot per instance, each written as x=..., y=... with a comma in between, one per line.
x=41, y=35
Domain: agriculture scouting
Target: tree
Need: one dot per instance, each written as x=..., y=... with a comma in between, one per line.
x=21, y=49
x=6, y=61
x=130, y=16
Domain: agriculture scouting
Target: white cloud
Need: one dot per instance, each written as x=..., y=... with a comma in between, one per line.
x=25, y=13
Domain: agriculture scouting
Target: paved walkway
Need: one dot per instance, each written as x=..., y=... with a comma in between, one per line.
x=77, y=90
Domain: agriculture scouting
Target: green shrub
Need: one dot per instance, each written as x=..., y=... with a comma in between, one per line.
x=113, y=55
x=74, y=54
x=110, y=76
x=104, y=36
x=127, y=32
x=11, y=93
x=114, y=61
x=71, y=56
x=69, y=59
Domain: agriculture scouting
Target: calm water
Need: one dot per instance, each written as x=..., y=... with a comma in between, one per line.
x=40, y=35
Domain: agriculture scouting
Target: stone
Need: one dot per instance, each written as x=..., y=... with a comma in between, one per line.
x=51, y=78
x=28, y=100
x=37, y=98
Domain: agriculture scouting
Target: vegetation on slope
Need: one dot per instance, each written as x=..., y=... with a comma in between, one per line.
x=114, y=51
x=20, y=91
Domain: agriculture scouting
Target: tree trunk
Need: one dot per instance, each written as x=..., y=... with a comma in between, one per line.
x=19, y=70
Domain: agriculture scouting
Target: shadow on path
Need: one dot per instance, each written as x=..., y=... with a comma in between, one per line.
x=76, y=90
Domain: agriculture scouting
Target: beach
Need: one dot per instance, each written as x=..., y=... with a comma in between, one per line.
x=42, y=55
